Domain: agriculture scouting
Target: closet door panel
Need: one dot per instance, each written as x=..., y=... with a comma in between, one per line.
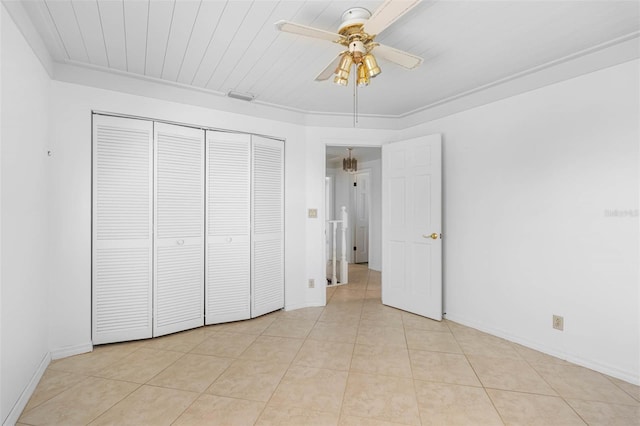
x=179, y=228
x=122, y=229
x=228, y=273
x=267, y=219
x=228, y=279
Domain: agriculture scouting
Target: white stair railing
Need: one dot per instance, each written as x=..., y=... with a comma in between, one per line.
x=344, y=265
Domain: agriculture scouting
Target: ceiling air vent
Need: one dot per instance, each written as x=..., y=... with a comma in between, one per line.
x=242, y=96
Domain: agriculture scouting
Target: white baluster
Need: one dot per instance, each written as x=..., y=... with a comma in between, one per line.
x=344, y=266
x=334, y=278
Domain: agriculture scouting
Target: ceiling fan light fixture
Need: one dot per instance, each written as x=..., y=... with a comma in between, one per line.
x=343, y=70
x=371, y=65
x=344, y=67
x=340, y=81
x=363, y=76
x=357, y=33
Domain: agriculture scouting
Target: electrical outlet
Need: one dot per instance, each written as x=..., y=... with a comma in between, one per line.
x=313, y=213
x=558, y=322
x=312, y=283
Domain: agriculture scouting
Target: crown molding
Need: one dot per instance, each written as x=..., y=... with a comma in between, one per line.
x=18, y=14
x=614, y=52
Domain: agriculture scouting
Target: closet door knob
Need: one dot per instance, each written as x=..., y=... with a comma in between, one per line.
x=180, y=242
x=229, y=239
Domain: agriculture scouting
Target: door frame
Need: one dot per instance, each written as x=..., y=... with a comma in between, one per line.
x=342, y=143
x=329, y=196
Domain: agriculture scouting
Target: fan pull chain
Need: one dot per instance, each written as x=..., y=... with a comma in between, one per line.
x=355, y=99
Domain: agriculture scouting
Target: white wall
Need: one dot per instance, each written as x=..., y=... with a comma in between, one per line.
x=24, y=261
x=70, y=315
x=527, y=183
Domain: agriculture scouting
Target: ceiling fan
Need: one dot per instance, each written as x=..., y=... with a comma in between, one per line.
x=357, y=33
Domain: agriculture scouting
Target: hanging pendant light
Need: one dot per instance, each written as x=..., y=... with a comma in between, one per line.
x=350, y=165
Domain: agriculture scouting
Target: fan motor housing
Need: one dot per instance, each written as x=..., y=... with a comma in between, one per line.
x=353, y=20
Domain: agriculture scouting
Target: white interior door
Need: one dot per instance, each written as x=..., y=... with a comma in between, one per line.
x=122, y=229
x=179, y=229
x=228, y=268
x=361, y=223
x=411, y=226
x=267, y=225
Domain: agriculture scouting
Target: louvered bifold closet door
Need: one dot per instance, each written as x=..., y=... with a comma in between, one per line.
x=179, y=229
x=122, y=229
x=267, y=224
x=228, y=272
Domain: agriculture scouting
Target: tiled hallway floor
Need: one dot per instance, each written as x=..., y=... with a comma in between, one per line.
x=354, y=362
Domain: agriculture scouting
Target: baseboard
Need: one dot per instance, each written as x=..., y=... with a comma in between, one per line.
x=302, y=305
x=609, y=370
x=71, y=350
x=22, y=401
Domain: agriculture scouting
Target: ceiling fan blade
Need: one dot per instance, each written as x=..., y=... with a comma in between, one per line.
x=396, y=56
x=388, y=13
x=329, y=69
x=303, y=30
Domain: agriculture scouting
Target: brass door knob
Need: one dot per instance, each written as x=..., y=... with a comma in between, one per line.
x=433, y=236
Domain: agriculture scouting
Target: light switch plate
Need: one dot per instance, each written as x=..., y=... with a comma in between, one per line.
x=313, y=213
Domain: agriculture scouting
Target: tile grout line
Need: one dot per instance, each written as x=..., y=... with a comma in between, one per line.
x=478, y=377
x=346, y=385
x=56, y=394
x=235, y=358
x=183, y=354
x=297, y=353
x=207, y=387
x=413, y=378
x=289, y=365
x=636, y=398
x=559, y=395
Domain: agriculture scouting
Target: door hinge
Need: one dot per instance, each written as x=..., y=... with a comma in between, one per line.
x=355, y=248
x=355, y=183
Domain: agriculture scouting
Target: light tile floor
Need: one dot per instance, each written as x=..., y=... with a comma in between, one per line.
x=354, y=362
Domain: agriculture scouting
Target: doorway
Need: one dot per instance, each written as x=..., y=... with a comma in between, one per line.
x=360, y=193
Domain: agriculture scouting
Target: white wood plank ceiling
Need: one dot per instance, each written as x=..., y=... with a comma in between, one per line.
x=219, y=46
